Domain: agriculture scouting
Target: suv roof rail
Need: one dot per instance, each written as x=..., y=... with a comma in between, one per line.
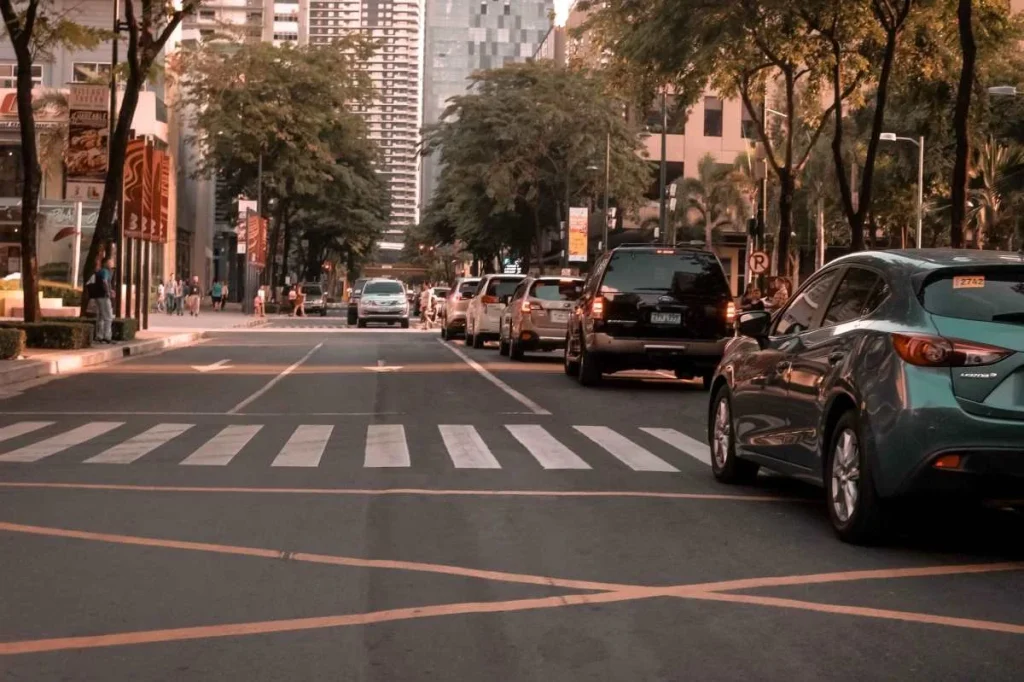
x=691, y=244
x=649, y=245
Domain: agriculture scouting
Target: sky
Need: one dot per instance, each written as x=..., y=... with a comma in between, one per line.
x=562, y=10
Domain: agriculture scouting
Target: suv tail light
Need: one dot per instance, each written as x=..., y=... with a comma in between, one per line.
x=730, y=313
x=935, y=351
x=489, y=299
x=597, y=308
x=528, y=307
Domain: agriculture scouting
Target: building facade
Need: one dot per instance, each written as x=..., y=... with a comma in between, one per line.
x=463, y=36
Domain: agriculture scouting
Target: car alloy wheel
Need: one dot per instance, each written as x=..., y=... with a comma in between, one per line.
x=845, y=486
x=721, y=443
x=725, y=465
x=571, y=367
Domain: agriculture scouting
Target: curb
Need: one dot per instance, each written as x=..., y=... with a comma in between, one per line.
x=36, y=369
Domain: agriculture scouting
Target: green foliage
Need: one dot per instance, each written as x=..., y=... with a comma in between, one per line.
x=713, y=200
x=524, y=139
x=12, y=343
x=54, y=335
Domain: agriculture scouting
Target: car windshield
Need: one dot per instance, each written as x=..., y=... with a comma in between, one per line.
x=383, y=288
x=687, y=273
x=557, y=290
x=502, y=287
x=312, y=291
x=986, y=296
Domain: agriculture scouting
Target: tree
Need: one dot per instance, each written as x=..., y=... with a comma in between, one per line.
x=715, y=197
x=520, y=146
x=961, y=121
x=35, y=27
x=296, y=108
x=149, y=28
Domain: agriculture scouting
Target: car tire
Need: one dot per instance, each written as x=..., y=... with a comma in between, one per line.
x=590, y=369
x=444, y=332
x=515, y=350
x=405, y=324
x=857, y=513
x=323, y=313
x=478, y=341
x=706, y=380
x=571, y=367
x=361, y=324
x=351, y=320
x=468, y=338
x=504, y=346
x=725, y=465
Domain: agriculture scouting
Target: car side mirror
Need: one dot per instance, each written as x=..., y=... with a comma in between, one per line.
x=504, y=299
x=754, y=324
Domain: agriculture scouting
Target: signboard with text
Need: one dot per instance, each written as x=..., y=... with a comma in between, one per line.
x=578, y=234
x=88, y=137
x=245, y=207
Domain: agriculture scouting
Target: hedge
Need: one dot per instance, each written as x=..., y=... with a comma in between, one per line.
x=12, y=343
x=61, y=335
x=121, y=329
x=69, y=295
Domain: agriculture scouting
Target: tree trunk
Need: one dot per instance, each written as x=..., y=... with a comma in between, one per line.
x=104, y=235
x=275, y=236
x=286, y=247
x=786, y=190
x=30, y=190
x=961, y=123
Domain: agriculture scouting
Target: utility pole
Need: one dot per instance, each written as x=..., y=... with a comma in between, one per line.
x=663, y=208
x=607, y=185
x=118, y=230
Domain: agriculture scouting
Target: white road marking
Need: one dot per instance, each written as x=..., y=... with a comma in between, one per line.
x=532, y=406
x=386, y=446
x=20, y=429
x=220, y=364
x=305, y=448
x=222, y=448
x=467, y=449
x=625, y=450
x=270, y=384
x=545, y=448
x=691, y=446
x=51, y=446
x=140, y=445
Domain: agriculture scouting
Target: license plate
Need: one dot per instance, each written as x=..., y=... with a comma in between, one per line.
x=666, y=318
x=559, y=316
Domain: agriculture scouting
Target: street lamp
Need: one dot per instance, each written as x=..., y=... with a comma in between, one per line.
x=1003, y=90
x=919, y=143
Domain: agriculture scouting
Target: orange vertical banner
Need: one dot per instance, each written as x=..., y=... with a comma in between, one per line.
x=165, y=192
x=134, y=177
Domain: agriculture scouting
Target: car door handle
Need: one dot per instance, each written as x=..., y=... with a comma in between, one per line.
x=836, y=357
x=783, y=367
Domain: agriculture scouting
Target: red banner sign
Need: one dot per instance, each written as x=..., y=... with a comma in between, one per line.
x=134, y=179
x=256, y=240
x=165, y=193
x=147, y=196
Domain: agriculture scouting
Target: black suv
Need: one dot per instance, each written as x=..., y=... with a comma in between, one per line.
x=649, y=307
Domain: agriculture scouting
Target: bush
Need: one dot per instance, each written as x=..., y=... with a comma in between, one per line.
x=68, y=295
x=61, y=335
x=12, y=343
x=122, y=329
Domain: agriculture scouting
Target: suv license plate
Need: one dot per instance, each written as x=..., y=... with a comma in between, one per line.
x=666, y=318
x=559, y=316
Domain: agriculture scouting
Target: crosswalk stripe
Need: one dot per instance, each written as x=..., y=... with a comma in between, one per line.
x=386, y=446
x=691, y=446
x=545, y=448
x=305, y=448
x=140, y=445
x=51, y=446
x=20, y=429
x=222, y=448
x=467, y=449
x=625, y=450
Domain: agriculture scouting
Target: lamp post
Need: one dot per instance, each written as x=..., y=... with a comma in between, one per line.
x=663, y=179
x=919, y=143
x=607, y=187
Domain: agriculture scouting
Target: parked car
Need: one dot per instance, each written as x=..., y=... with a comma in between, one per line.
x=483, y=316
x=352, y=311
x=453, y=315
x=537, y=315
x=316, y=301
x=383, y=300
x=887, y=375
x=654, y=308
x=437, y=299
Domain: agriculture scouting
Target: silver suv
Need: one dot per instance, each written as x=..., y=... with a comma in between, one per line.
x=453, y=314
x=383, y=300
x=537, y=315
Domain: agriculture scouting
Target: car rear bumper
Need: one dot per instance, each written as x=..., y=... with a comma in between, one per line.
x=698, y=356
x=541, y=339
x=383, y=317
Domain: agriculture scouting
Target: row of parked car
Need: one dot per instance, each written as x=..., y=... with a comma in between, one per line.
x=885, y=377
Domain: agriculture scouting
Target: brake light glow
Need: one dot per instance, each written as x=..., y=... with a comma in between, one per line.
x=489, y=299
x=730, y=312
x=597, y=308
x=935, y=351
x=527, y=306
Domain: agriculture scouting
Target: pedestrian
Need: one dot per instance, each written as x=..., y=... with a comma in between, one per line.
x=424, y=302
x=223, y=295
x=258, y=303
x=99, y=290
x=161, y=292
x=300, y=302
x=292, y=300
x=195, y=294
x=751, y=299
x=169, y=294
x=179, y=297
x=217, y=293
x=781, y=295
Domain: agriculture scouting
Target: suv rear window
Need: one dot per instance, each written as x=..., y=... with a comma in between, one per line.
x=467, y=288
x=502, y=287
x=687, y=273
x=384, y=288
x=557, y=290
x=989, y=296
x=312, y=291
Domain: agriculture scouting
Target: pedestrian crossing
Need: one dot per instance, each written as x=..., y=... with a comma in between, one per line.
x=383, y=446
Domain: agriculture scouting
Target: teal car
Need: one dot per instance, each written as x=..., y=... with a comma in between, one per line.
x=887, y=375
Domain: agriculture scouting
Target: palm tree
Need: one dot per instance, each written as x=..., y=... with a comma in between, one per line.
x=999, y=170
x=712, y=200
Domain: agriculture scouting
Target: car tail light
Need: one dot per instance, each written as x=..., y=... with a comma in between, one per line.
x=489, y=299
x=730, y=312
x=948, y=462
x=528, y=307
x=935, y=351
x=597, y=308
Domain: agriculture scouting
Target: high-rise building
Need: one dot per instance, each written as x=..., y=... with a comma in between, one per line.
x=462, y=36
x=393, y=117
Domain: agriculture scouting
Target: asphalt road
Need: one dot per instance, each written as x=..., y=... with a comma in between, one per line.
x=308, y=502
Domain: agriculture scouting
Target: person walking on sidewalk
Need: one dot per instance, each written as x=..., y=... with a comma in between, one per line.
x=179, y=297
x=195, y=294
x=217, y=293
x=161, y=293
x=99, y=289
x=169, y=294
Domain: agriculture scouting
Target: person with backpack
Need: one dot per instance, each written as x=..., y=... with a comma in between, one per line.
x=100, y=291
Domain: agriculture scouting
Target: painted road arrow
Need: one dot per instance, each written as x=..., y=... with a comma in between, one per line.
x=220, y=364
x=381, y=367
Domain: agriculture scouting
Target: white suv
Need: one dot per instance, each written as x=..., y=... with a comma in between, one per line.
x=483, y=317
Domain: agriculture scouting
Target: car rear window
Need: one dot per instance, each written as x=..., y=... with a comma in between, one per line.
x=312, y=291
x=557, y=290
x=384, y=288
x=687, y=273
x=441, y=293
x=989, y=296
x=469, y=287
x=502, y=287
